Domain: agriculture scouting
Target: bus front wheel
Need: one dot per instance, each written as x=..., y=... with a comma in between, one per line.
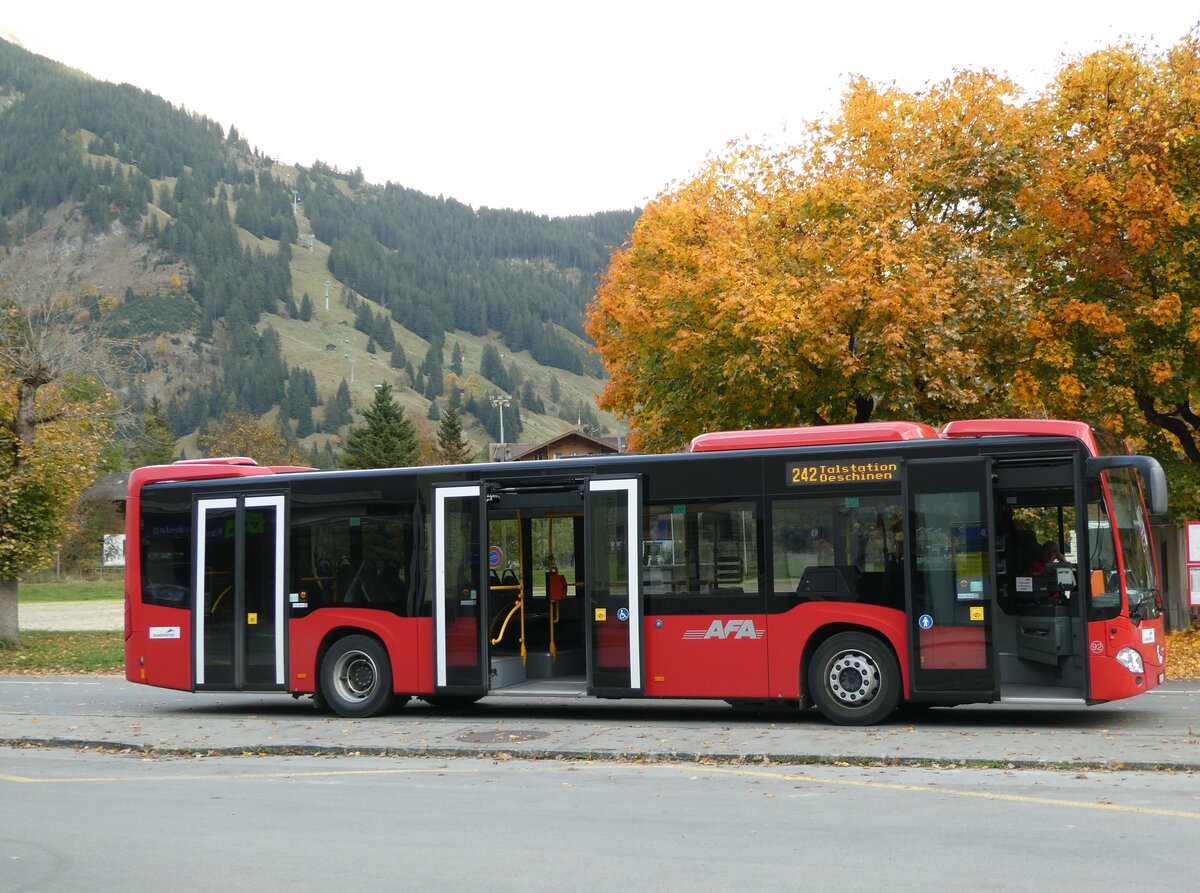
x=854, y=679
x=356, y=677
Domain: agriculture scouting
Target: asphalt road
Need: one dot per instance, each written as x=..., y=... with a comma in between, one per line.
x=100, y=822
x=117, y=785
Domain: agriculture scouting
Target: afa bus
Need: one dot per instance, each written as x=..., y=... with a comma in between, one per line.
x=853, y=567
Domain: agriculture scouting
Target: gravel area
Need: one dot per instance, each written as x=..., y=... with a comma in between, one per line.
x=72, y=615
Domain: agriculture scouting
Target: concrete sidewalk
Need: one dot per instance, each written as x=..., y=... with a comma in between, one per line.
x=1155, y=731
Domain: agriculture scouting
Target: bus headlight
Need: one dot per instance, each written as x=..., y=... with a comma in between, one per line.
x=1131, y=659
x=1162, y=655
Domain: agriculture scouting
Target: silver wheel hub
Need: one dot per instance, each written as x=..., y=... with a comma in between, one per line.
x=853, y=678
x=355, y=676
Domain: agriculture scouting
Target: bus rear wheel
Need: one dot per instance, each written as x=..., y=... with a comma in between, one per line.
x=356, y=677
x=854, y=679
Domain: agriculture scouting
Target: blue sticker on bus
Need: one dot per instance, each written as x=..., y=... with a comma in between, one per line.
x=623, y=615
x=925, y=621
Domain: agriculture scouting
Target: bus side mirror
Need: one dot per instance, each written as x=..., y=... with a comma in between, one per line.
x=1154, y=481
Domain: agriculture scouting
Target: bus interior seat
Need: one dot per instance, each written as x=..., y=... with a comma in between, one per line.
x=836, y=582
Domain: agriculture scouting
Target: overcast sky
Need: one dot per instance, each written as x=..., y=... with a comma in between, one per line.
x=560, y=107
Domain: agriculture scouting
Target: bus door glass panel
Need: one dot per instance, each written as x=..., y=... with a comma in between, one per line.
x=459, y=649
x=613, y=605
x=952, y=579
x=239, y=593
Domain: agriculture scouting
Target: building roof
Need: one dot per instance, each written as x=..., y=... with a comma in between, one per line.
x=589, y=444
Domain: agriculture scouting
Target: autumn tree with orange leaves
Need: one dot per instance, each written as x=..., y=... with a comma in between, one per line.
x=866, y=273
x=928, y=256
x=55, y=417
x=1114, y=237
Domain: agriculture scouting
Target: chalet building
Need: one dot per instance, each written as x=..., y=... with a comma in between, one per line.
x=564, y=446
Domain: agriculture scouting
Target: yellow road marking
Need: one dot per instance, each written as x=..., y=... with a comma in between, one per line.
x=938, y=789
x=672, y=767
x=226, y=776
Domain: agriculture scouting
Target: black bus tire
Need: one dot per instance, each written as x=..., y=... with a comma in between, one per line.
x=854, y=679
x=356, y=677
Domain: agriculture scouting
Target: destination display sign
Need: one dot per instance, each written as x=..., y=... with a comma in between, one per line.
x=866, y=471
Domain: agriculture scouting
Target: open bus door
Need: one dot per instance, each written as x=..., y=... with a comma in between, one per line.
x=951, y=572
x=460, y=630
x=238, y=606
x=613, y=606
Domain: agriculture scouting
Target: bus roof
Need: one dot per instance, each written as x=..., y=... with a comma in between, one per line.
x=1018, y=427
x=885, y=432
x=820, y=435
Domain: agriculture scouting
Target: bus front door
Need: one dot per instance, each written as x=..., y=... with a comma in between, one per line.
x=238, y=606
x=460, y=646
x=613, y=606
x=951, y=580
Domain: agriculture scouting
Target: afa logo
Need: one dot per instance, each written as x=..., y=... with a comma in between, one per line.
x=727, y=629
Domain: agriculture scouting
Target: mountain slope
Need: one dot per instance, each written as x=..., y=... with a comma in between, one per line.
x=254, y=286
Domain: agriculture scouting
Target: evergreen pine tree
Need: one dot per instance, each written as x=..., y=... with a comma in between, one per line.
x=399, y=361
x=382, y=332
x=337, y=410
x=306, y=307
x=453, y=448
x=363, y=320
x=456, y=360
x=301, y=408
x=155, y=444
x=387, y=440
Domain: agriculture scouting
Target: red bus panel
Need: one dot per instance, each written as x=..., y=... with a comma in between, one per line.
x=159, y=650
x=706, y=656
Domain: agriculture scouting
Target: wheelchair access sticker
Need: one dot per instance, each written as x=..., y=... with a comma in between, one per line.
x=623, y=615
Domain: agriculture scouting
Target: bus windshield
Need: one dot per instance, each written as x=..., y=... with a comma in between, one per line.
x=1132, y=537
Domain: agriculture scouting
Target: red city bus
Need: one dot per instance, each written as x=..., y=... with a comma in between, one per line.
x=854, y=567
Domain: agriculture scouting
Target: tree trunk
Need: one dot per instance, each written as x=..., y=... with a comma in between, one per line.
x=10, y=630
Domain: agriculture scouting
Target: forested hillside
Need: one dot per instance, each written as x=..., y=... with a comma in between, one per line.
x=288, y=293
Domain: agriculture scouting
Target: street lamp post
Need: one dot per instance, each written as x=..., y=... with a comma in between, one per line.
x=500, y=401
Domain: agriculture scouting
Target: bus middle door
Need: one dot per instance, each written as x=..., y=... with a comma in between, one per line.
x=238, y=607
x=613, y=606
x=951, y=580
x=459, y=601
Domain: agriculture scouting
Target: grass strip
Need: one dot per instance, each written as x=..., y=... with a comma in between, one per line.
x=64, y=652
x=70, y=591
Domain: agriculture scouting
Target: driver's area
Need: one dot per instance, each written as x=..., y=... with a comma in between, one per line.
x=1040, y=625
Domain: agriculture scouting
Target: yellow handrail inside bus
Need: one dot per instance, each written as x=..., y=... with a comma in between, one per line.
x=217, y=600
x=519, y=604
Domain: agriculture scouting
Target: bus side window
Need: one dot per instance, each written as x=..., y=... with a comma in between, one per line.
x=838, y=549
x=707, y=551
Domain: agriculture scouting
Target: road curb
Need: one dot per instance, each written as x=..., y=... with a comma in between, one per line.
x=647, y=757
